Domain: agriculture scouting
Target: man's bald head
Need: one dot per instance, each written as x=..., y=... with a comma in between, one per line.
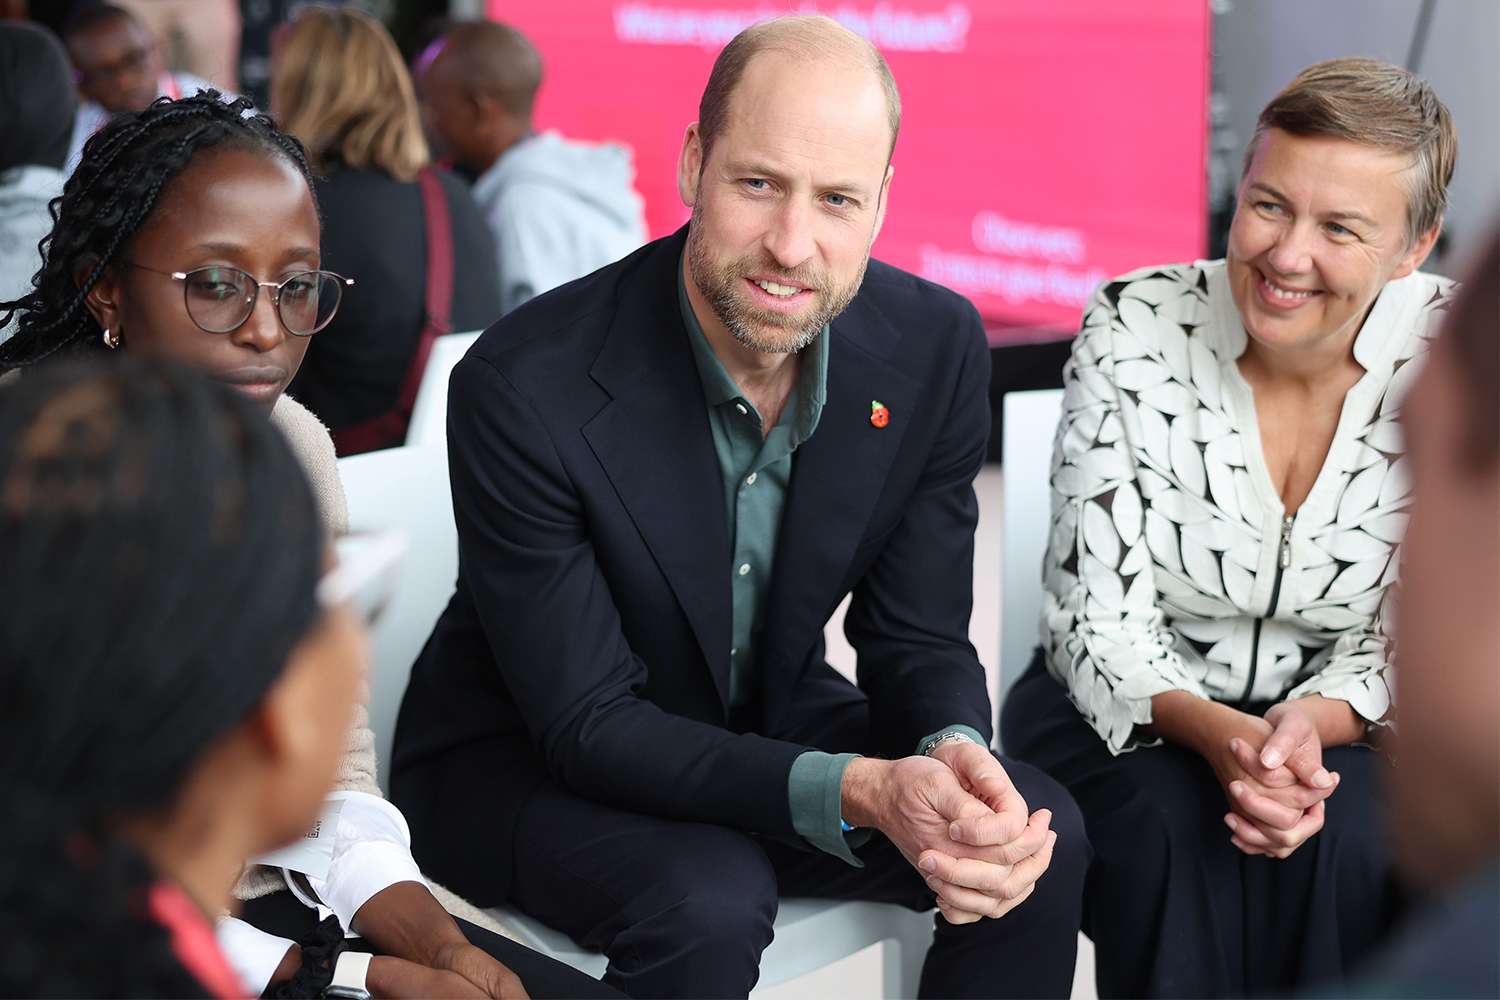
x=804, y=38
x=493, y=59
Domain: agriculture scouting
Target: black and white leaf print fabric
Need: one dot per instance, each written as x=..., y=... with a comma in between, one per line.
x=1166, y=529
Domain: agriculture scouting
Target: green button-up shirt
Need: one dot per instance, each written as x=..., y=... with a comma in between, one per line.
x=756, y=468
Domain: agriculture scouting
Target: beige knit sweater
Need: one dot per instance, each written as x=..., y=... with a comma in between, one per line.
x=313, y=445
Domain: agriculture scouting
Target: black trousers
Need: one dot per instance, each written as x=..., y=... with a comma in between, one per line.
x=1173, y=908
x=280, y=913
x=685, y=909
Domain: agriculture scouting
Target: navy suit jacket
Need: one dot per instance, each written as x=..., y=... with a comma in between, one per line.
x=587, y=643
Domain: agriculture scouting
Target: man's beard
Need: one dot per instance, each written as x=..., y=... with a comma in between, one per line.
x=760, y=329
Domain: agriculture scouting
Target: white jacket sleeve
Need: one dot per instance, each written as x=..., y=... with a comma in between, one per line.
x=1359, y=669
x=1108, y=641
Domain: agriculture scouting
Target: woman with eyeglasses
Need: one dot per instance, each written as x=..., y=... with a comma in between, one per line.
x=189, y=232
x=172, y=701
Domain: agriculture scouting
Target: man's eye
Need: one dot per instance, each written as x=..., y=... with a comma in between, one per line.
x=757, y=183
x=838, y=200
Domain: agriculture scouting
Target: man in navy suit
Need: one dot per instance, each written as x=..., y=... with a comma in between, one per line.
x=666, y=477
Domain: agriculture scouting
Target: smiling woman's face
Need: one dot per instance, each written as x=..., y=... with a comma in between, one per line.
x=233, y=208
x=1319, y=229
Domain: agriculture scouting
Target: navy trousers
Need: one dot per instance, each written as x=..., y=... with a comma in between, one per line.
x=1173, y=908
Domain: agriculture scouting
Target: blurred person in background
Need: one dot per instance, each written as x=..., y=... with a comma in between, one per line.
x=118, y=67
x=412, y=233
x=37, y=106
x=173, y=701
x=189, y=232
x=1445, y=801
x=1229, y=494
x=200, y=37
x=559, y=209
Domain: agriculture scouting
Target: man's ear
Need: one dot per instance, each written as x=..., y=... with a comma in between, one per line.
x=690, y=165
x=883, y=202
x=103, y=299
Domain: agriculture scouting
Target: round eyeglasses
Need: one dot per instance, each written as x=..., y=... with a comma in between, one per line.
x=219, y=299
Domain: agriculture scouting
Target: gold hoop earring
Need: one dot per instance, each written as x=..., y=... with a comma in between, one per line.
x=111, y=340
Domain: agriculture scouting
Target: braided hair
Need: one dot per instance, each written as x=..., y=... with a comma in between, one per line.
x=110, y=197
x=160, y=551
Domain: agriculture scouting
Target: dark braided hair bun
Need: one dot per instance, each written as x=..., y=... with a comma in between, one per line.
x=160, y=551
x=119, y=181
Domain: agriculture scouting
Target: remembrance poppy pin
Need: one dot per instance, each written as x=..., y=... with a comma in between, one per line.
x=879, y=415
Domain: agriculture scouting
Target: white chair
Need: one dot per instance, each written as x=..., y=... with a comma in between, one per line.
x=809, y=934
x=1025, y=465
x=429, y=414
x=403, y=490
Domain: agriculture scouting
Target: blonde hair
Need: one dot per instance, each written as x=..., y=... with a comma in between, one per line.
x=1375, y=104
x=340, y=86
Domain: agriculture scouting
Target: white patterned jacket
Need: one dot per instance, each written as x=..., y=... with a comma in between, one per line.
x=1171, y=564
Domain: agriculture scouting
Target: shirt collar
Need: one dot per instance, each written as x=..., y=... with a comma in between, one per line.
x=808, y=395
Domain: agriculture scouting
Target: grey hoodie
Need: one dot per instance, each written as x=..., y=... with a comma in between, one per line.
x=559, y=210
x=24, y=220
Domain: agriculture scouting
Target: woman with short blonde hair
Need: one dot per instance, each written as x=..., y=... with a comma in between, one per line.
x=410, y=233
x=1229, y=489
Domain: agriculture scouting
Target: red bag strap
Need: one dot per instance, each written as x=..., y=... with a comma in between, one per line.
x=389, y=429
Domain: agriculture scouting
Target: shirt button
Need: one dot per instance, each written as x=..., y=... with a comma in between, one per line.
x=734, y=652
x=743, y=411
x=744, y=569
x=750, y=479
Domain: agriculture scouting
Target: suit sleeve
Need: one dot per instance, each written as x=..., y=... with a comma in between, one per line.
x=909, y=619
x=526, y=558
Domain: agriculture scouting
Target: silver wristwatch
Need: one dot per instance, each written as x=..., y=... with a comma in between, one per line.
x=349, y=972
x=939, y=740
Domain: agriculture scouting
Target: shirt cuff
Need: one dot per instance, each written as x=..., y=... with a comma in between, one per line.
x=969, y=733
x=815, y=791
x=253, y=953
x=372, y=853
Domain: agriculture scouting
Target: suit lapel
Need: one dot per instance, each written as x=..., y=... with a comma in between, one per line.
x=654, y=443
x=837, y=477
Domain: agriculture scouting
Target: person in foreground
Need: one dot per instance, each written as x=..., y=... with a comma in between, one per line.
x=1229, y=494
x=173, y=702
x=1445, y=791
x=666, y=477
x=189, y=232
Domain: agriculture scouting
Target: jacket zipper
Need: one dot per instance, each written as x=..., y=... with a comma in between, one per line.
x=1283, y=560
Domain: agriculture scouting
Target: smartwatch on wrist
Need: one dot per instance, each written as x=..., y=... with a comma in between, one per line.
x=349, y=971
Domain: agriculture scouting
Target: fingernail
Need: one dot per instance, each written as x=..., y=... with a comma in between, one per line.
x=929, y=864
x=1271, y=758
x=934, y=882
x=1236, y=788
x=953, y=831
x=1323, y=779
x=1229, y=821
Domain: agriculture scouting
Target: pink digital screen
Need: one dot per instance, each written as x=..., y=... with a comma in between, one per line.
x=1044, y=147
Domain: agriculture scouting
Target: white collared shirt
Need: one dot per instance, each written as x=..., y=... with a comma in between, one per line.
x=372, y=851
